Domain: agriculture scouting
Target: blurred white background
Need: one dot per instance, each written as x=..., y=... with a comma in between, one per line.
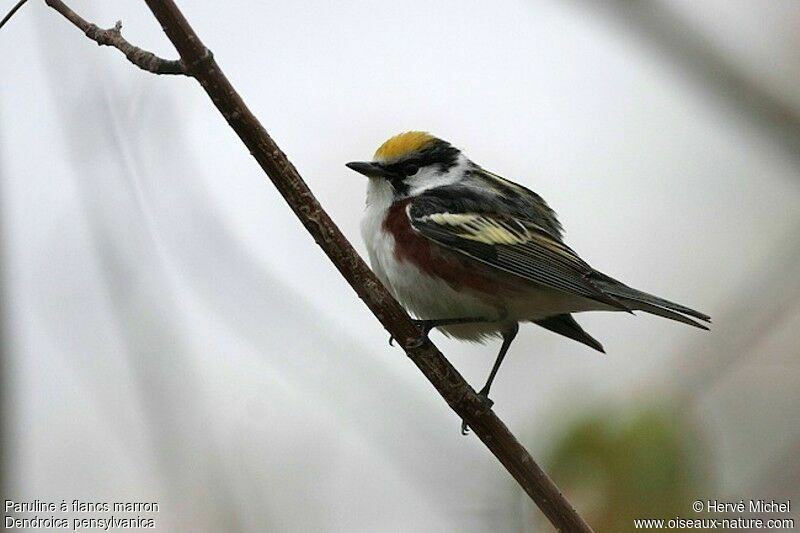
x=172, y=334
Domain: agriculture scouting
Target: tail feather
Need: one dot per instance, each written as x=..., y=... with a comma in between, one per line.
x=567, y=326
x=638, y=300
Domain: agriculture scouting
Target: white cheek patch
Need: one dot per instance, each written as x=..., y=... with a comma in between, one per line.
x=430, y=177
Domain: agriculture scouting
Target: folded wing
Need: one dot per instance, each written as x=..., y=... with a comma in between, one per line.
x=506, y=238
x=509, y=243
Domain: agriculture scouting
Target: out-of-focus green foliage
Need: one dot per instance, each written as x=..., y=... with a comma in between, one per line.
x=615, y=467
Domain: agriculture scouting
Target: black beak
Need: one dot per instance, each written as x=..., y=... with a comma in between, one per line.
x=371, y=170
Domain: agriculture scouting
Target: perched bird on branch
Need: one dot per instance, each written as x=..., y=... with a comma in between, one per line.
x=474, y=254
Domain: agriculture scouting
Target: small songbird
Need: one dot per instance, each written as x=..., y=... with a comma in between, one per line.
x=474, y=254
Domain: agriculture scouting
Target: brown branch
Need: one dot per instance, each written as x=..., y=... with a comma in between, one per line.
x=444, y=377
x=113, y=37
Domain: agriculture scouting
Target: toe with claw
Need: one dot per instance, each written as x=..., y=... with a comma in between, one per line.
x=487, y=403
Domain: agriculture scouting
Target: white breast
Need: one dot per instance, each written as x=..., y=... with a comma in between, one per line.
x=423, y=295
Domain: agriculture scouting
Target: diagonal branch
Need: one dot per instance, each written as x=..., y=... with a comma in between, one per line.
x=437, y=369
x=113, y=37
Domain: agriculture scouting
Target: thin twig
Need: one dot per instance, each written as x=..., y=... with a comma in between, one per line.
x=11, y=13
x=113, y=37
x=438, y=370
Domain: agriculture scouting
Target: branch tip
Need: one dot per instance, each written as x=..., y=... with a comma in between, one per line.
x=143, y=59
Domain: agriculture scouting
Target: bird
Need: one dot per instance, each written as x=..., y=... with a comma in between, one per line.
x=473, y=254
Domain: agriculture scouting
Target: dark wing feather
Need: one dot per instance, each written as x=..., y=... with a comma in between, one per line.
x=513, y=244
x=521, y=201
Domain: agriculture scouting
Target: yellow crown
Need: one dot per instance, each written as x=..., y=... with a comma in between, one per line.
x=402, y=144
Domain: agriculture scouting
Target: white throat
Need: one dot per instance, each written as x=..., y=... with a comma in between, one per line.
x=380, y=194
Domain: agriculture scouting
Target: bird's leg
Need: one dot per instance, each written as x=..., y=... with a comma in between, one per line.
x=508, y=337
x=427, y=325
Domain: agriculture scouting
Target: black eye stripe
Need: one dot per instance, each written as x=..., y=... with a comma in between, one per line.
x=441, y=157
x=404, y=168
x=400, y=187
x=409, y=169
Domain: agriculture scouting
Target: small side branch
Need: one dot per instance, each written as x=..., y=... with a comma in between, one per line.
x=11, y=13
x=113, y=37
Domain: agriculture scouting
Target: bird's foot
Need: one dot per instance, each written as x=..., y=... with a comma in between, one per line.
x=487, y=405
x=425, y=326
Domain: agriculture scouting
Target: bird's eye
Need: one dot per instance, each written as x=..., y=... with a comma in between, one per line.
x=409, y=169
